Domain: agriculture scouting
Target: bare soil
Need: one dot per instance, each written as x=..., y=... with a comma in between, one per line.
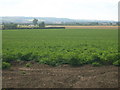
x=86, y=27
x=64, y=76
x=91, y=27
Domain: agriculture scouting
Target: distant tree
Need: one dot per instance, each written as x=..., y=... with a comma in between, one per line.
x=42, y=25
x=110, y=23
x=35, y=21
x=9, y=26
x=118, y=23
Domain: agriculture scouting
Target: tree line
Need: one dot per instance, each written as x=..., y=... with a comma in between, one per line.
x=15, y=26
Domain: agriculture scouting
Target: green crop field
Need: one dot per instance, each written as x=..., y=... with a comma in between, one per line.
x=61, y=46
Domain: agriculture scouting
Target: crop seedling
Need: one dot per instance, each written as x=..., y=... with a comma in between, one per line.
x=55, y=47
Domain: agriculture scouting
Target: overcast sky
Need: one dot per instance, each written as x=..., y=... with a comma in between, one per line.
x=74, y=9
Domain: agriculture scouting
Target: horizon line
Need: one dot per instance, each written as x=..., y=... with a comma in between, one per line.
x=61, y=17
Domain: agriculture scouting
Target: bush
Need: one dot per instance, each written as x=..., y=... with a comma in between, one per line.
x=6, y=65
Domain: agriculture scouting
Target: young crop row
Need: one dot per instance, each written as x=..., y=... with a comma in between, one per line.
x=56, y=47
x=71, y=56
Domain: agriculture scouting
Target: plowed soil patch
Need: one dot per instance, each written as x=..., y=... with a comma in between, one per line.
x=64, y=76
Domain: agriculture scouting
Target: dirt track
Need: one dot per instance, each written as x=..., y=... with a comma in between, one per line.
x=65, y=76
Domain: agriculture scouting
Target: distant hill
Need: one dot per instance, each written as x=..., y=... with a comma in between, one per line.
x=53, y=20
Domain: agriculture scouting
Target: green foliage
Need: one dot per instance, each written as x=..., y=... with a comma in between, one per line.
x=6, y=65
x=74, y=61
x=117, y=63
x=96, y=64
x=26, y=57
x=42, y=25
x=28, y=65
x=61, y=46
x=9, y=26
x=35, y=21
